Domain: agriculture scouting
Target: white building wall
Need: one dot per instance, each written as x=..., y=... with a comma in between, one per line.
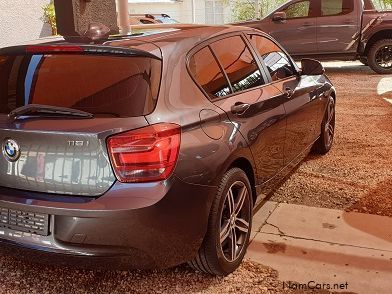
x=179, y=10
x=20, y=21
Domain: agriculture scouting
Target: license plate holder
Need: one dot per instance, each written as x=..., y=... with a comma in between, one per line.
x=24, y=221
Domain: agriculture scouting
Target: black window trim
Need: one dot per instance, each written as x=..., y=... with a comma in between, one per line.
x=194, y=52
x=222, y=70
x=293, y=64
x=207, y=43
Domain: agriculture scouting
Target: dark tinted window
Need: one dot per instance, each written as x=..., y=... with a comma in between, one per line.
x=336, y=7
x=207, y=73
x=277, y=62
x=102, y=85
x=238, y=62
x=145, y=21
x=299, y=9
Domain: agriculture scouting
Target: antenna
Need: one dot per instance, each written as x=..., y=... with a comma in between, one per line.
x=97, y=31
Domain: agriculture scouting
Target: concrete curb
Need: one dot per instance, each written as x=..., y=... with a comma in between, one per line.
x=326, y=246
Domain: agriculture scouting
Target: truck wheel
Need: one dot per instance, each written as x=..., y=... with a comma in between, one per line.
x=364, y=60
x=380, y=56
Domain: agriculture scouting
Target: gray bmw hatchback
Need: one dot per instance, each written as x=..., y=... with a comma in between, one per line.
x=151, y=150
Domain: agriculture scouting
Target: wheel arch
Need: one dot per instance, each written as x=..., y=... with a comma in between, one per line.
x=333, y=94
x=245, y=165
x=380, y=35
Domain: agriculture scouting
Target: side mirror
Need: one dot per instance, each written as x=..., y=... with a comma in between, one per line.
x=279, y=16
x=311, y=67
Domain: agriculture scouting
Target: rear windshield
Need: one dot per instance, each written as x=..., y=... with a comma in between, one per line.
x=107, y=86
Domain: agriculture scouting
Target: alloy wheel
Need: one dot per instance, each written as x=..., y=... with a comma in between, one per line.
x=384, y=57
x=330, y=123
x=235, y=221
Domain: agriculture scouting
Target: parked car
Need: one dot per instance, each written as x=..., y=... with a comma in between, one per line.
x=333, y=30
x=137, y=19
x=152, y=150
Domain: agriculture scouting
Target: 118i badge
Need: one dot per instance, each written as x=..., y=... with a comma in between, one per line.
x=11, y=150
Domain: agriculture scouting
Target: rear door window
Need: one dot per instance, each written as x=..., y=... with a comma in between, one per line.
x=238, y=63
x=277, y=62
x=336, y=7
x=207, y=73
x=107, y=86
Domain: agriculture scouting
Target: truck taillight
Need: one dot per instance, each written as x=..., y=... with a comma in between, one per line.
x=145, y=155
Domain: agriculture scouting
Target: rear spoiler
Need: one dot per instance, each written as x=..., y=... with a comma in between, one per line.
x=75, y=49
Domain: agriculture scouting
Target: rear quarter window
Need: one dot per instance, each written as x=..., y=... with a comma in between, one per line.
x=207, y=73
x=336, y=7
x=103, y=85
x=238, y=63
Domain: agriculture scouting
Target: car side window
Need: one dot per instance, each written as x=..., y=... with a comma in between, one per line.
x=145, y=21
x=298, y=9
x=336, y=7
x=276, y=61
x=238, y=63
x=207, y=73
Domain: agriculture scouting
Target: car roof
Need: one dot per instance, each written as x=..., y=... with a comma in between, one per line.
x=162, y=36
x=156, y=32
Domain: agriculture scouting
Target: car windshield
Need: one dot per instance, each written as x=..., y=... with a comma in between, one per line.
x=105, y=86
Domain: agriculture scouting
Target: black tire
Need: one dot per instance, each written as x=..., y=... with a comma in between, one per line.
x=380, y=56
x=214, y=257
x=325, y=141
x=364, y=60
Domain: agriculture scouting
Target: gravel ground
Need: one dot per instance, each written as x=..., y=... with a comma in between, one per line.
x=23, y=277
x=356, y=175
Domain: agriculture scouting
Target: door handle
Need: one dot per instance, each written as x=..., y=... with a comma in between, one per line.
x=239, y=108
x=288, y=92
x=307, y=24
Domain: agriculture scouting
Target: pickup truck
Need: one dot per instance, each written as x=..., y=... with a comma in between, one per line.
x=333, y=30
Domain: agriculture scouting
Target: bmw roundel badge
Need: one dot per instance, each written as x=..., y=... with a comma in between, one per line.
x=11, y=150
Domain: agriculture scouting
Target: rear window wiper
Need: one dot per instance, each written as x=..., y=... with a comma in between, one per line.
x=37, y=109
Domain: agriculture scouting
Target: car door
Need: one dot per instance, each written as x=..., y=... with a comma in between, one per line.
x=255, y=108
x=298, y=95
x=296, y=33
x=338, y=23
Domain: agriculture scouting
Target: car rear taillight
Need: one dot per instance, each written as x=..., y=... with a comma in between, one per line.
x=146, y=154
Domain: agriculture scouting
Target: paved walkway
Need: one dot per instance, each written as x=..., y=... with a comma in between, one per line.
x=325, y=246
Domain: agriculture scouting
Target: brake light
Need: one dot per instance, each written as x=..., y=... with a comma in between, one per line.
x=53, y=48
x=145, y=155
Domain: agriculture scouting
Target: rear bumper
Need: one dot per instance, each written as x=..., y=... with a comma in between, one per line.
x=152, y=225
x=134, y=259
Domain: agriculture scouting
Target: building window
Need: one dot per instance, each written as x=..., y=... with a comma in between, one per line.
x=214, y=12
